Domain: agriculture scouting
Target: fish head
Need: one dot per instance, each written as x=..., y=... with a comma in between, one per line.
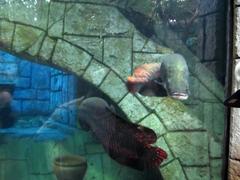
x=92, y=109
x=178, y=87
x=94, y=105
x=178, y=78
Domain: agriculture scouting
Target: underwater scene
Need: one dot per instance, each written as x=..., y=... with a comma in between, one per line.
x=112, y=89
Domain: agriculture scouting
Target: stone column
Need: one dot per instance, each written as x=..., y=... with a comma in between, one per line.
x=234, y=147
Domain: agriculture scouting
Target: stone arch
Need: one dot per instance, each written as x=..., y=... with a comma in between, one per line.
x=67, y=36
x=105, y=75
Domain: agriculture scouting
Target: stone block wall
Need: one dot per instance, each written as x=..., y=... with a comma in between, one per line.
x=34, y=160
x=211, y=45
x=204, y=35
x=38, y=89
x=234, y=148
x=8, y=69
x=96, y=42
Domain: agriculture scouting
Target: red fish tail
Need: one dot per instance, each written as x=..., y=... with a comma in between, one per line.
x=154, y=156
x=131, y=86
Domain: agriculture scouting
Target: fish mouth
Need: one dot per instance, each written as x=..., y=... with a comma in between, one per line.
x=180, y=96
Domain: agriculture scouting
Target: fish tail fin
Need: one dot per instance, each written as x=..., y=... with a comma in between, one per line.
x=131, y=84
x=154, y=157
x=160, y=155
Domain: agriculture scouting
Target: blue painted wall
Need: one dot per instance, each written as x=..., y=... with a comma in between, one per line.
x=38, y=89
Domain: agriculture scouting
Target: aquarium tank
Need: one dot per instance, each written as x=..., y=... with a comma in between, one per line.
x=112, y=89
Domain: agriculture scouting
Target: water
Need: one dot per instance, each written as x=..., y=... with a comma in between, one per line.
x=56, y=55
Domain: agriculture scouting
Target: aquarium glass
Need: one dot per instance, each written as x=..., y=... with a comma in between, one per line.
x=112, y=89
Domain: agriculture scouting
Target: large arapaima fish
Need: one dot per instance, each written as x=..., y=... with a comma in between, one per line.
x=127, y=143
x=167, y=78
